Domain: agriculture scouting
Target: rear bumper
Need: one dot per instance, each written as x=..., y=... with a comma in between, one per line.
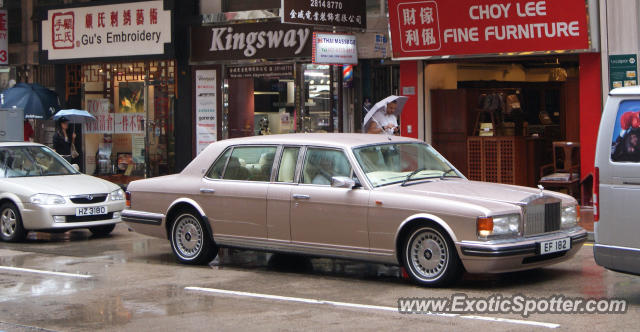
x=517, y=255
x=619, y=259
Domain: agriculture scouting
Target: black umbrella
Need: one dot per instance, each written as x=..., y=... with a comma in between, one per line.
x=37, y=101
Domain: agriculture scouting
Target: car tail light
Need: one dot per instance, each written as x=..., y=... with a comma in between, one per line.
x=485, y=226
x=596, y=195
x=128, y=197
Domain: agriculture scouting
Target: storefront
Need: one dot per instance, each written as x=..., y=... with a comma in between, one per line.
x=500, y=82
x=119, y=66
x=269, y=82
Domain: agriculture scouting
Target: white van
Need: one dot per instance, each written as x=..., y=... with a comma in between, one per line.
x=617, y=183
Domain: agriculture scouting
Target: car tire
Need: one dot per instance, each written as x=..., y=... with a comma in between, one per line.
x=103, y=230
x=190, y=240
x=11, y=227
x=430, y=257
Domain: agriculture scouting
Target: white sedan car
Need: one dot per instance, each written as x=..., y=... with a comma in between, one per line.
x=40, y=191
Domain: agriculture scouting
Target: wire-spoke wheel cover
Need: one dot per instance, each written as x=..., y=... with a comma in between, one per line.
x=188, y=237
x=427, y=254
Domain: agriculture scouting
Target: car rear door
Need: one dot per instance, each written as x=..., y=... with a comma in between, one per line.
x=279, y=194
x=234, y=192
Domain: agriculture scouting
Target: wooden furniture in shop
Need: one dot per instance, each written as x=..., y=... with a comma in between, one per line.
x=498, y=159
x=564, y=172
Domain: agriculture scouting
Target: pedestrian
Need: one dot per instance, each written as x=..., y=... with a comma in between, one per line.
x=366, y=106
x=385, y=121
x=28, y=131
x=61, y=141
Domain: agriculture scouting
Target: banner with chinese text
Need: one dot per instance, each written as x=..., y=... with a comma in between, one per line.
x=469, y=27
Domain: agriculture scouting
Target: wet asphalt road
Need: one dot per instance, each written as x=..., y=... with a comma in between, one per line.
x=131, y=282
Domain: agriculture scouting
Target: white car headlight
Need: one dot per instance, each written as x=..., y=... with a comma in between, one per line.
x=508, y=224
x=47, y=199
x=570, y=216
x=117, y=195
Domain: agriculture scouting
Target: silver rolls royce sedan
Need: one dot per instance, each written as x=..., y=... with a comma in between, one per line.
x=376, y=198
x=40, y=191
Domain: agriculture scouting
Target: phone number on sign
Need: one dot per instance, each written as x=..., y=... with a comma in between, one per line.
x=326, y=4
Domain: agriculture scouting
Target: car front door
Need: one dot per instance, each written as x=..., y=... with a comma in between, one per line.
x=234, y=192
x=334, y=219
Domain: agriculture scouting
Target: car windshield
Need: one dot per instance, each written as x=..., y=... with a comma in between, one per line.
x=386, y=164
x=28, y=161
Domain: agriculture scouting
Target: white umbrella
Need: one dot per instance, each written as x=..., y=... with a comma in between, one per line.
x=380, y=107
x=75, y=116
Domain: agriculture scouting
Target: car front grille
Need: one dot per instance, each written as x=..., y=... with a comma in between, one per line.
x=542, y=218
x=88, y=199
x=89, y=218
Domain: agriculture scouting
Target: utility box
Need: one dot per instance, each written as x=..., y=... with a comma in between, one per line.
x=11, y=125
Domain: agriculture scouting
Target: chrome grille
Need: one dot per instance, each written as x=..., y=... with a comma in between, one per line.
x=88, y=199
x=542, y=218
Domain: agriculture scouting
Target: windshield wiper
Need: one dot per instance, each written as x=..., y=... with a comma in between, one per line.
x=408, y=177
x=445, y=173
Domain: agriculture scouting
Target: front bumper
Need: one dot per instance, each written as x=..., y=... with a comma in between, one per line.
x=616, y=258
x=41, y=217
x=518, y=254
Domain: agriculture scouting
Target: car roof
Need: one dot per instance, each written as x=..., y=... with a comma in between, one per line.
x=9, y=144
x=628, y=90
x=323, y=139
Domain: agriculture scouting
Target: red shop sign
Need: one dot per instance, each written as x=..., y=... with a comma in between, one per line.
x=467, y=27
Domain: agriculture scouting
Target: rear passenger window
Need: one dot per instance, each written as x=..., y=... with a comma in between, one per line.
x=250, y=163
x=216, y=170
x=625, y=143
x=287, y=170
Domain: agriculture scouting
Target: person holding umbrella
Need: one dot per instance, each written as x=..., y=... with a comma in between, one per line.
x=382, y=118
x=61, y=142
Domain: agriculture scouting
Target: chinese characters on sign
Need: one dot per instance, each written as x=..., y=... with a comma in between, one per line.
x=206, y=109
x=345, y=13
x=282, y=71
x=129, y=123
x=4, y=38
x=136, y=28
x=467, y=27
x=329, y=48
x=99, y=108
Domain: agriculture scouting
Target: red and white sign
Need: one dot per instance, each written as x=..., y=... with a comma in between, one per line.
x=469, y=27
x=134, y=28
x=104, y=123
x=4, y=37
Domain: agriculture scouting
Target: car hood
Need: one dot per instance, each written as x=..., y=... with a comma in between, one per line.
x=65, y=185
x=473, y=191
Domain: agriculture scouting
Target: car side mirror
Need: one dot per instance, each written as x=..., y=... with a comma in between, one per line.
x=342, y=182
x=76, y=167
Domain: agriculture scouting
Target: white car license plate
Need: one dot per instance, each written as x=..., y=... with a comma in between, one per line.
x=548, y=247
x=91, y=211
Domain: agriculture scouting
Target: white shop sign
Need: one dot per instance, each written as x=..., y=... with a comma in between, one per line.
x=134, y=28
x=334, y=49
x=206, y=110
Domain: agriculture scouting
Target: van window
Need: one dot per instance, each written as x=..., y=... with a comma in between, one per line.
x=625, y=143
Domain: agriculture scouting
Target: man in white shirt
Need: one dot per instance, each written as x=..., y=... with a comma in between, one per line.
x=386, y=120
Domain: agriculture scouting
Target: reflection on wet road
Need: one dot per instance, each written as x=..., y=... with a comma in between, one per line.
x=136, y=284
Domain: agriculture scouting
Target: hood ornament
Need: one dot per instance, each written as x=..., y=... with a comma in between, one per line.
x=541, y=190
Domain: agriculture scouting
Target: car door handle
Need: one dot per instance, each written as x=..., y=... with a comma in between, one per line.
x=207, y=191
x=299, y=196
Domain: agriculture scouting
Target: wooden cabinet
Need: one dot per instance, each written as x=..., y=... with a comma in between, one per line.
x=497, y=159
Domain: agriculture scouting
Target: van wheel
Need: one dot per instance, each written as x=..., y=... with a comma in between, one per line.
x=430, y=257
x=190, y=241
x=11, y=228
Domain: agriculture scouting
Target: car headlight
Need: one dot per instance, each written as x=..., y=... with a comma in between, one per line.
x=117, y=195
x=570, y=216
x=47, y=199
x=508, y=224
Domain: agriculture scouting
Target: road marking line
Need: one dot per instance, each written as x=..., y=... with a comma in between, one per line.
x=589, y=244
x=61, y=274
x=366, y=306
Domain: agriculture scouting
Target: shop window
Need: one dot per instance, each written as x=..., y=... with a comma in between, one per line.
x=14, y=11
